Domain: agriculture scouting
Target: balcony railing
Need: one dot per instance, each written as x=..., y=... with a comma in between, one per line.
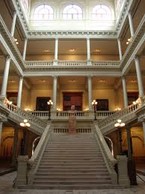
x=105, y=119
x=65, y=114
x=17, y=115
x=128, y=114
x=78, y=63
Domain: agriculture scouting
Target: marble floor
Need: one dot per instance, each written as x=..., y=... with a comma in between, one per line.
x=6, y=182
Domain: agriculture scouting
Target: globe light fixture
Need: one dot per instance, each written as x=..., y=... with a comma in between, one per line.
x=25, y=123
x=119, y=124
x=94, y=103
x=50, y=103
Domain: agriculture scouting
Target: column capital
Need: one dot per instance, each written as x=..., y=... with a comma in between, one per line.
x=128, y=127
x=123, y=77
x=15, y=11
x=8, y=57
x=90, y=76
x=136, y=57
x=55, y=76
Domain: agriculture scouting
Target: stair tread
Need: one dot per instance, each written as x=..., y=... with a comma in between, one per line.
x=77, y=181
x=75, y=177
x=74, y=186
x=72, y=173
x=72, y=161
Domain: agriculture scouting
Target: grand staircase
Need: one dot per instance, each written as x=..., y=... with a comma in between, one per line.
x=72, y=162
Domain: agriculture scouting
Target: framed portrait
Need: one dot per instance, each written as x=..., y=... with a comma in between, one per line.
x=132, y=96
x=41, y=103
x=103, y=104
x=12, y=96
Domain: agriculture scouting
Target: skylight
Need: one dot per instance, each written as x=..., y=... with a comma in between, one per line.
x=43, y=12
x=72, y=12
x=102, y=12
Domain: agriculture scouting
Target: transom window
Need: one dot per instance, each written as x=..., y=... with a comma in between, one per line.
x=25, y=4
x=43, y=12
x=102, y=12
x=72, y=12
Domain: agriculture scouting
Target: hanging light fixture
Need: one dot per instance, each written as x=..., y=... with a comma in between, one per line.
x=119, y=123
x=25, y=123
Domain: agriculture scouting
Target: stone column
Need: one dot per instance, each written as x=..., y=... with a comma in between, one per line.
x=19, y=99
x=129, y=142
x=88, y=51
x=143, y=124
x=5, y=77
x=130, y=24
x=13, y=23
x=139, y=77
x=119, y=49
x=123, y=178
x=25, y=48
x=124, y=92
x=131, y=162
x=21, y=178
x=1, y=128
x=54, y=92
x=15, y=147
x=56, y=52
x=90, y=92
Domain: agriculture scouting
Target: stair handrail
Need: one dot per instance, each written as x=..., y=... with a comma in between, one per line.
x=8, y=106
x=126, y=113
x=107, y=155
x=34, y=161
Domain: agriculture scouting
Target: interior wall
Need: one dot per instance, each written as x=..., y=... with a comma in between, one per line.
x=38, y=93
x=39, y=57
x=7, y=142
x=71, y=57
x=29, y=96
x=109, y=94
x=97, y=57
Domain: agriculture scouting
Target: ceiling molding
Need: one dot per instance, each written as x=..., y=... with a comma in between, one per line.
x=71, y=34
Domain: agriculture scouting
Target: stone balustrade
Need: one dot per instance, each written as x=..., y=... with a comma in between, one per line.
x=78, y=63
x=18, y=115
x=108, y=157
x=126, y=115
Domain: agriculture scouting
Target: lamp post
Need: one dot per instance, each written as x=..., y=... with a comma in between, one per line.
x=24, y=124
x=131, y=161
x=50, y=103
x=94, y=103
x=119, y=124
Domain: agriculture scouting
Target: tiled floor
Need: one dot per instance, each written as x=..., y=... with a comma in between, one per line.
x=6, y=182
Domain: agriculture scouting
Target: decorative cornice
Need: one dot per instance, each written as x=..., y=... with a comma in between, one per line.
x=6, y=36
x=133, y=47
x=132, y=50
x=71, y=70
x=30, y=34
x=72, y=34
x=123, y=16
x=21, y=16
